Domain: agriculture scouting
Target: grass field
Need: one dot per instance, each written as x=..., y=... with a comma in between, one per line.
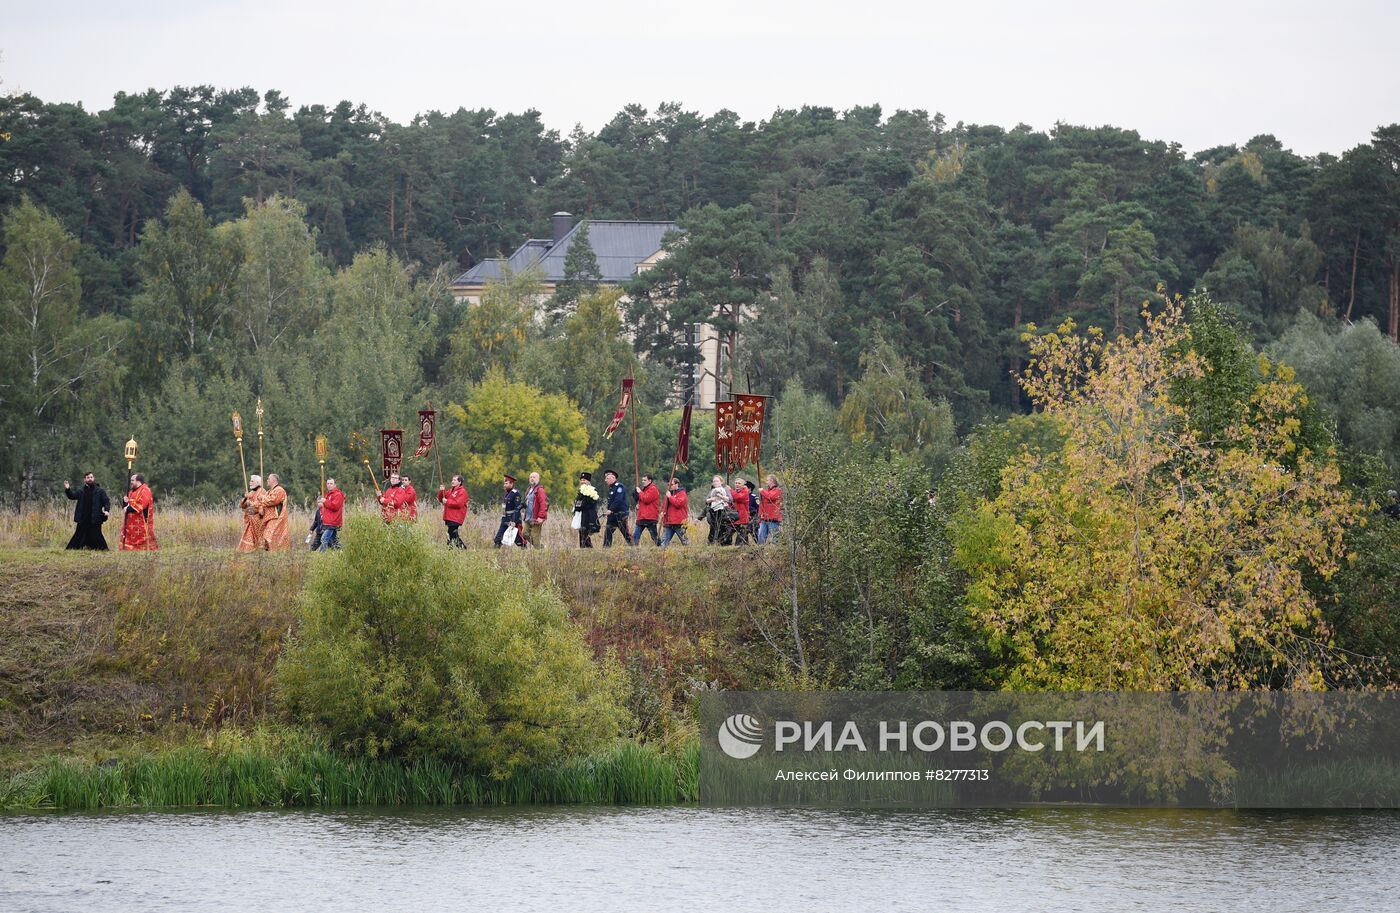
x=108, y=653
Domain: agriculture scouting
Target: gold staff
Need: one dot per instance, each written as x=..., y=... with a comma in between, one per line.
x=259, y=412
x=238, y=438
x=321, y=458
x=131, y=450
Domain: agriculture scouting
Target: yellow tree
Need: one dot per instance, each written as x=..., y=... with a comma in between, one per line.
x=508, y=427
x=1140, y=556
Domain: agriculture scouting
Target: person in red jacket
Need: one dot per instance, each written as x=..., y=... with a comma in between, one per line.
x=536, y=511
x=412, y=499
x=454, y=510
x=740, y=493
x=770, y=510
x=332, y=505
x=648, y=510
x=677, y=513
x=394, y=500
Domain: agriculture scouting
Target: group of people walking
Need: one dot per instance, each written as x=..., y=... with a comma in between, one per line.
x=736, y=514
x=94, y=508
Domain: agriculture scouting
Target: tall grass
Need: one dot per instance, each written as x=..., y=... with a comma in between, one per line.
x=308, y=774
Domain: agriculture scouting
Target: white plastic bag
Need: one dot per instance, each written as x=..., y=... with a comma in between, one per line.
x=577, y=522
x=509, y=537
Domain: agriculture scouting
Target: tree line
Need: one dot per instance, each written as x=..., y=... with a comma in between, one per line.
x=174, y=256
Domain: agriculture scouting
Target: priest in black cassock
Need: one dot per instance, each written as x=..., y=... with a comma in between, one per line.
x=89, y=514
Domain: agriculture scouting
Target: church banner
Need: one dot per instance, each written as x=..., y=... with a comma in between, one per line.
x=391, y=449
x=724, y=435
x=427, y=431
x=749, y=409
x=621, y=408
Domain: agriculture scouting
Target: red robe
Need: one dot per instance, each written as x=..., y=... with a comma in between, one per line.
x=454, y=505
x=395, y=504
x=138, y=523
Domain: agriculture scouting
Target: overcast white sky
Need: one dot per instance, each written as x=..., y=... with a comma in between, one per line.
x=1320, y=76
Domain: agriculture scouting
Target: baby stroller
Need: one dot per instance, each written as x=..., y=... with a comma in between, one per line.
x=723, y=525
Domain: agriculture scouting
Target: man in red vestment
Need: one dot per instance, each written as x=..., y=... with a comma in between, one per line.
x=138, y=520
x=394, y=502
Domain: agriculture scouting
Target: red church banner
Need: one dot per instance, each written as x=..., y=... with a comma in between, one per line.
x=427, y=431
x=391, y=449
x=748, y=428
x=724, y=435
x=621, y=407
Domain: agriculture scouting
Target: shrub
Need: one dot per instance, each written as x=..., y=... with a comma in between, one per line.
x=412, y=650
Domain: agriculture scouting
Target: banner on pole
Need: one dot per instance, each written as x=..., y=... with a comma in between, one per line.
x=427, y=431
x=683, y=439
x=621, y=408
x=749, y=409
x=391, y=449
x=724, y=435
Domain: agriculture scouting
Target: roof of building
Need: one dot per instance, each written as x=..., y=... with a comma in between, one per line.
x=619, y=247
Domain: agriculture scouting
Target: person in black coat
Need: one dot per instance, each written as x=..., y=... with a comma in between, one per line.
x=91, y=511
x=586, y=506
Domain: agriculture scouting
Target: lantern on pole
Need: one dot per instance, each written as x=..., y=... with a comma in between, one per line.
x=130, y=453
x=238, y=438
x=259, y=412
x=321, y=448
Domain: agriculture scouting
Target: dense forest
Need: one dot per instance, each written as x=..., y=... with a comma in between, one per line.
x=175, y=256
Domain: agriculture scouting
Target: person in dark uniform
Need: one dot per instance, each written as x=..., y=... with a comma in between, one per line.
x=618, y=509
x=510, y=513
x=91, y=511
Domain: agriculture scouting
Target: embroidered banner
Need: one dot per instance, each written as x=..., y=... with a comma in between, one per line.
x=391, y=449
x=621, y=407
x=748, y=428
x=427, y=430
x=724, y=435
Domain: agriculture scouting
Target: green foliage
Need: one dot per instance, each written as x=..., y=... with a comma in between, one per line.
x=1353, y=374
x=494, y=331
x=888, y=407
x=879, y=604
x=278, y=768
x=55, y=367
x=413, y=651
x=508, y=427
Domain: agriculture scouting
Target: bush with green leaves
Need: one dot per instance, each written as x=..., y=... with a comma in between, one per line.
x=412, y=650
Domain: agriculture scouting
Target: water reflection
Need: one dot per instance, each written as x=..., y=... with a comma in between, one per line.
x=700, y=859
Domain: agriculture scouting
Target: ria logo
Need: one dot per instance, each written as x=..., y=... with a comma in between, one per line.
x=740, y=736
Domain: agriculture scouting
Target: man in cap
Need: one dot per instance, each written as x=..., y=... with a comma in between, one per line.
x=510, y=514
x=618, y=509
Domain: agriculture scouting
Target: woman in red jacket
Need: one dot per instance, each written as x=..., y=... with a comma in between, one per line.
x=770, y=510
x=740, y=493
x=454, y=510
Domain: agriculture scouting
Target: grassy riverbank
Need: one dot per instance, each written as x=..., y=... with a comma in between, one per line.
x=144, y=679
x=285, y=769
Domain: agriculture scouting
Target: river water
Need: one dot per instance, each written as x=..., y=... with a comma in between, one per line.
x=688, y=859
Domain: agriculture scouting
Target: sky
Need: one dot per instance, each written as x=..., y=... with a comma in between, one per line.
x=1320, y=77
